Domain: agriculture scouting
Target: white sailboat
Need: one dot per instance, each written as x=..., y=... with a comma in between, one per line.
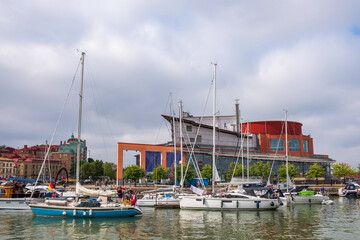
x=307, y=195
x=228, y=201
x=76, y=208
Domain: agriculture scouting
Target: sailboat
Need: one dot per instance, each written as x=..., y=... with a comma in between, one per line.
x=74, y=207
x=229, y=200
x=306, y=195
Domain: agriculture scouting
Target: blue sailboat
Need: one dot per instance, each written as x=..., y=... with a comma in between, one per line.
x=74, y=207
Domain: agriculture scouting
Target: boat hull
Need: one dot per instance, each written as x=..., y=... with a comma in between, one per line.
x=316, y=199
x=14, y=204
x=153, y=202
x=83, y=212
x=214, y=203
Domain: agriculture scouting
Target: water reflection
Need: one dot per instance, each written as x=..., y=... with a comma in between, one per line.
x=339, y=221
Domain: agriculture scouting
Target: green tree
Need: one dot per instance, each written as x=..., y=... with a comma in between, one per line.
x=206, y=172
x=87, y=170
x=134, y=172
x=260, y=169
x=98, y=166
x=293, y=171
x=109, y=170
x=189, y=175
x=316, y=171
x=238, y=170
x=73, y=167
x=342, y=170
x=159, y=173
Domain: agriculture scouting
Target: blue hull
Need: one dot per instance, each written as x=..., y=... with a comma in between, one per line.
x=85, y=212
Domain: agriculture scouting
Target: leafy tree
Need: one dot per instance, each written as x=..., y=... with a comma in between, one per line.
x=189, y=175
x=316, y=171
x=238, y=170
x=73, y=167
x=134, y=172
x=207, y=172
x=159, y=173
x=261, y=169
x=109, y=171
x=90, y=160
x=342, y=170
x=99, y=170
x=87, y=170
x=293, y=171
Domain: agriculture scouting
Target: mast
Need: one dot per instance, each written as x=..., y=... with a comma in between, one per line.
x=174, y=134
x=79, y=126
x=181, y=146
x=286, y=153
x=239, y=131
x=214, y=113
x=247, y=152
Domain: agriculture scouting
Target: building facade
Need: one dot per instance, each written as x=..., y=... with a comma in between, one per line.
x=235, y=142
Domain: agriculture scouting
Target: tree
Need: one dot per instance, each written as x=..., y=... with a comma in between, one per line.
x=73, y=167
x=189, y=175
x=316, y=171
x=342, y=170
x=293, y=171
x=206, y=173
x=109, y=170
x=261, y=169
x=238, y=170
x=134, y=172
x=159, y=173
x=87, y=170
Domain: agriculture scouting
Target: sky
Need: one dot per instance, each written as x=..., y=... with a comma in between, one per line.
x=302, y=56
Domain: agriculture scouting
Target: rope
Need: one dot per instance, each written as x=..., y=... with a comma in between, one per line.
x=57, y=125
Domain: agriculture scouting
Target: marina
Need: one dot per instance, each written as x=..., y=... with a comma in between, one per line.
x=338, y=221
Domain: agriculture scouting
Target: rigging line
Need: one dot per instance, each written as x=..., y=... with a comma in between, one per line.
x=158, y=131
x=277, y=147
x=238, y=156
x=57, y=125
x=197, y=132
x=98, y=113
x=98, y=108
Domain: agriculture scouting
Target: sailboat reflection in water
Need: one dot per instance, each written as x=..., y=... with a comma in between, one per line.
x=74, y=207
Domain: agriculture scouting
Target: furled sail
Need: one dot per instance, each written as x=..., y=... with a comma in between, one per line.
x=95, y=193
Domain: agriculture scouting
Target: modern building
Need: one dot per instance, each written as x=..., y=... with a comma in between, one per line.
x=242, y=142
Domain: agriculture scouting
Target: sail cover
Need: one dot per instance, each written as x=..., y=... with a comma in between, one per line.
x=95, y=193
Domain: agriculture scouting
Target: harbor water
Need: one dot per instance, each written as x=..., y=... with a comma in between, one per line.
x=338, y=221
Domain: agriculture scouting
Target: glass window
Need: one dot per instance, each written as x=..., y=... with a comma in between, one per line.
x=276, y=145
x=306, y=145
x=188, y=128
x=294, y=145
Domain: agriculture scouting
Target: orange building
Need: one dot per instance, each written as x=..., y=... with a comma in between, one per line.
x=263, y=140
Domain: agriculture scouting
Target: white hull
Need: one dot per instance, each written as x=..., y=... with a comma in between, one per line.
x=13, y=204
x=153, y=202
x=316, y=199
x=225, y=203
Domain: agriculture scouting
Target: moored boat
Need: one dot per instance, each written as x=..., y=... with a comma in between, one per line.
x=83, y=209
x=350, y=190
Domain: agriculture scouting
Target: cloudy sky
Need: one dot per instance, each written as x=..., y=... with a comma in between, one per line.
x=303, y=56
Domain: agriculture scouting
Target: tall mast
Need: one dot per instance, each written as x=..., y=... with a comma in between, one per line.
x=79, y=124
x=174, y=134
x=181, y=146
x=286, y=153
x=247, y=152
x=214, y=113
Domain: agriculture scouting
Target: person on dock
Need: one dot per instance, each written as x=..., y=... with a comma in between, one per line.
x=120, y=194
x=133, y=199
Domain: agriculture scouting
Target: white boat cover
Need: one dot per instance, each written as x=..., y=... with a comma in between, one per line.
x=95, y=193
